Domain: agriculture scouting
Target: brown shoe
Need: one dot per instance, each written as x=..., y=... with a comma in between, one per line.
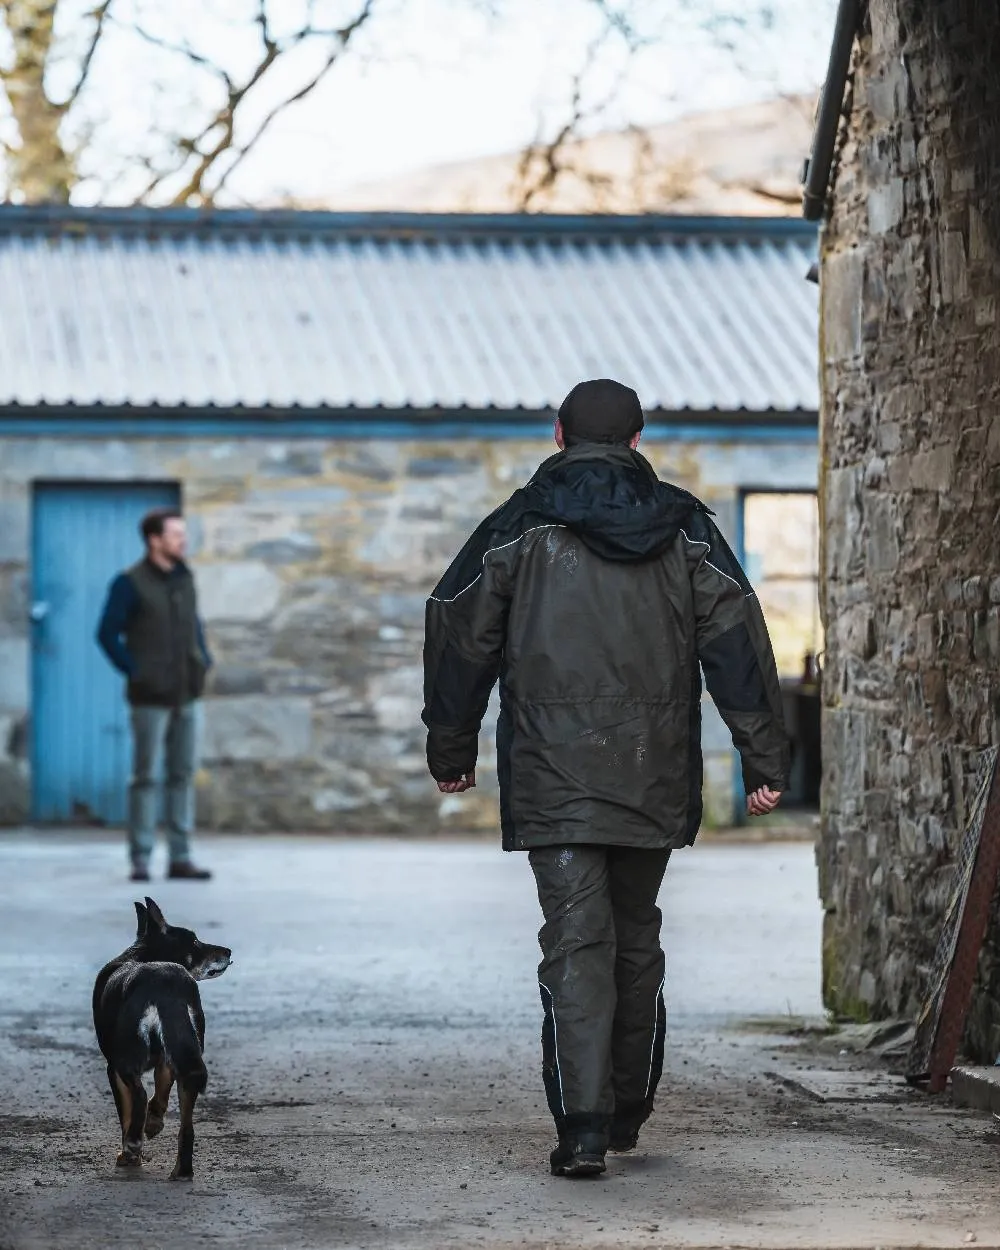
x=139, y=873
x=186, y=871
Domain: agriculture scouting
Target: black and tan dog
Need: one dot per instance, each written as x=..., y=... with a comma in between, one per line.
x=148, y=1017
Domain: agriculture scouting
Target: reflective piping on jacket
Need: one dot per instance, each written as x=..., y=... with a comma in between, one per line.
x=700, y=542
x=490, y=550
x=656, y=1027
x=555, y=1029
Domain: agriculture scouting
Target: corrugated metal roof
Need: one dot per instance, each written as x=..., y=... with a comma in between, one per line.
x=181, y=309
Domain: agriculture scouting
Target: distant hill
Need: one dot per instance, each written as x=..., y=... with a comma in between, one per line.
x=741, y=161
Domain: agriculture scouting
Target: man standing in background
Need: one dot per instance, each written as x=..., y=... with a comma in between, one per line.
x=151, y=633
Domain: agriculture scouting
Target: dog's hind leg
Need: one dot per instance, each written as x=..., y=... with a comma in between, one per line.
x=113, y=1082
x=188, y=1089
x=157, y=1108
x=132, y=1107
x=123, y=1105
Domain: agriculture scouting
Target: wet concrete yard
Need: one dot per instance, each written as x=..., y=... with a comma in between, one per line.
x=374, y=1069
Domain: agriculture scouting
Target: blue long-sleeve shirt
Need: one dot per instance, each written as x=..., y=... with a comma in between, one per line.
x=121, y=605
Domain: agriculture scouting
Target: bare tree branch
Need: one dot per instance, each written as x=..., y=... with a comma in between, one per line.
x=185, y=50
x=269, y=44
x=617, y=20
x=100, y=17
x=776, y=196
x=224, y=119
x=543, y=164
x=272, y=51
x=276, y=112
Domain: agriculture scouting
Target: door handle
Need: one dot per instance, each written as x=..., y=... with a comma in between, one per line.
x=39, y=611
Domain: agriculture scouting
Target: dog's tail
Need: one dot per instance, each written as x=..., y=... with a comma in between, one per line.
x=181, y=1046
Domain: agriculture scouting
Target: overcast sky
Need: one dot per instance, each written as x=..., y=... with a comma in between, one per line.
x=437, y=81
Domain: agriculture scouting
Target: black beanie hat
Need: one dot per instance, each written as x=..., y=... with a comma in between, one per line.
x=601, y=411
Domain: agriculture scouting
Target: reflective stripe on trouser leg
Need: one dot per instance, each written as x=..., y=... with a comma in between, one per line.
x=639, y=1040
x=550, y=1056
x=656, y=1052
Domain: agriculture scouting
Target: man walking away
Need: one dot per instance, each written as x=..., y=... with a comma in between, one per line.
x=593, y=594
x=151, y=633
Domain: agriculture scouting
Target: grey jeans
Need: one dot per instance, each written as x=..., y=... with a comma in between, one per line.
x=165, y=745
x=601, y=981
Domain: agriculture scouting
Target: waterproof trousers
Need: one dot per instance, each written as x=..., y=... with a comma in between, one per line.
x=601, y=982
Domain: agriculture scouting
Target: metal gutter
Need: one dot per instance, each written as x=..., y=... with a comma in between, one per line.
x=757, y=427
x=817, y=170
x=278, y=419
x=271, y=223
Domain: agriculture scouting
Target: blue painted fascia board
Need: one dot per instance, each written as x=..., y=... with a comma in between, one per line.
x=799, y=427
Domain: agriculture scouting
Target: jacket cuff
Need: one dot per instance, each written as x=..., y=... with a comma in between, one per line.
x=451, y=753
x=753, y=780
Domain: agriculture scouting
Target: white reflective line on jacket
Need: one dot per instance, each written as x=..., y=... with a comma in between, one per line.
x=489, y=551
x=700, y=542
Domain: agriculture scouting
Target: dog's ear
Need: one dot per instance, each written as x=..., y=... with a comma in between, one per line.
x=156, y=916
x=143, y=920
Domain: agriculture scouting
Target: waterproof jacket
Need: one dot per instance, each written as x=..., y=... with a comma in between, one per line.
x=592, y=594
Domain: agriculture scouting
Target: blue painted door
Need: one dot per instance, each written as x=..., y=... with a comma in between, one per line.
x=82, y=536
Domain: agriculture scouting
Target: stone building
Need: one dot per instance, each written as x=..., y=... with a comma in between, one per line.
x=910, y=349
x=338, y=400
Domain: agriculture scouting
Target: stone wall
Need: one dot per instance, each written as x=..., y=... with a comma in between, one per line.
x=911, y=493
x=314, y=560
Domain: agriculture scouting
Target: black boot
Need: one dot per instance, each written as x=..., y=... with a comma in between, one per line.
x=184, y=870
x=625, y=1126
x=579, y=1154
x=583, y=1141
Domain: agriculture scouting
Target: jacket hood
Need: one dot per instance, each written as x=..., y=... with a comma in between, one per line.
x=611, y=498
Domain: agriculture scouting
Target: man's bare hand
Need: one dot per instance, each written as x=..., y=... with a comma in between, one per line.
x=763, y=801
x=458, y=787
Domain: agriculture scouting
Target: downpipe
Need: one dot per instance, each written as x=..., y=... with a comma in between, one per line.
x=816, y=174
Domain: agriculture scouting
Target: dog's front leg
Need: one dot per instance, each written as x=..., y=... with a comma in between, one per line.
x=132, y=1108
x=157, y=1108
